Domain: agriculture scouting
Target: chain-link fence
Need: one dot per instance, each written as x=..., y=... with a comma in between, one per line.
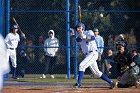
x=37, y=17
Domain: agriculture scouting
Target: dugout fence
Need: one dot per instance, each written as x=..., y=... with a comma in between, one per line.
x=37, y=17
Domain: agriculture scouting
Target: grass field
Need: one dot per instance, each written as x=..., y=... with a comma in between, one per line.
x=59, y=78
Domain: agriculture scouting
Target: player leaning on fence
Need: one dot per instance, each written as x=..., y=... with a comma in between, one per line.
x=86, y=39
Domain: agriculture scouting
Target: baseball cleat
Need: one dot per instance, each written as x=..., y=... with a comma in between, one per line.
x=137, y=84
x=113, y=85
x=14, y=77
x=76, y=85
x=43, y=76
x=52, y=76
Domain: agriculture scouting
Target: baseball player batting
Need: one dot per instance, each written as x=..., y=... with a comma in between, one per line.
x=11, y=41
x=86, y=39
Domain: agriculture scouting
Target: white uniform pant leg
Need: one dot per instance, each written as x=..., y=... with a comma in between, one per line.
x=94, y=67
x=90, y=61
x=86, y=62
x=12, y=55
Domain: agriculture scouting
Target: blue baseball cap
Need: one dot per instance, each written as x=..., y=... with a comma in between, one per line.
x=15, y=27
x=80, y=25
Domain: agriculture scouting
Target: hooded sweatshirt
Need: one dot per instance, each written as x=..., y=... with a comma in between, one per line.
x=50, y=43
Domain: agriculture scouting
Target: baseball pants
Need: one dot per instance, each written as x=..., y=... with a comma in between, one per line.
x=90, y=61
x=12, y=55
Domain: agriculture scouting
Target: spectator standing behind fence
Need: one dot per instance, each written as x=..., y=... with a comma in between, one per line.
x=109, y=58
x=136, y=57
x=110, y=42
x=30, y=50
x=132, y=39
x=22, y=60
x=41, y=56
x=11, y=41
x=4, y=67
x=100, y=44
x=50, y=53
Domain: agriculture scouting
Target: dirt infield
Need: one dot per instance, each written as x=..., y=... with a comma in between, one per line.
x=61, y=85
x=66, y=89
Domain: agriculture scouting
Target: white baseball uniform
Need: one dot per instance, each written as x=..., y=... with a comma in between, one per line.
x=11, y=41
x=4, y=67
x=89, y=48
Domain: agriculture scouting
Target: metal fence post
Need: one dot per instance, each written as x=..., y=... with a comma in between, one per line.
x=8, y=16
x=2, y=7
x=76, y=46
x=68, y=38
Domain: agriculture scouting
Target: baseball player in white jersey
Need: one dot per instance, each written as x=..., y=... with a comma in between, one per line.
x=4, y=67
x=86, y=39
x=11, y=41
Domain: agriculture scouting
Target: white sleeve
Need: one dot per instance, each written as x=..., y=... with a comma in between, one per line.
x=91, y=33
x=7, y=38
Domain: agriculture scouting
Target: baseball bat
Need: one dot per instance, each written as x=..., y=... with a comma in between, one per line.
x=22, y=34
x=79, y=14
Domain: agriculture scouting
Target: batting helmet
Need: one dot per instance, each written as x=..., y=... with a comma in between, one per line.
x=15, y=27
x=80, y=25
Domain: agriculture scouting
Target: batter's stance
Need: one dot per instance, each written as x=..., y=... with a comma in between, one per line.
x=86, y=39
x=11, y=41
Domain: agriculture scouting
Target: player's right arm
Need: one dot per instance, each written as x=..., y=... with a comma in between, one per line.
x=7, y=39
